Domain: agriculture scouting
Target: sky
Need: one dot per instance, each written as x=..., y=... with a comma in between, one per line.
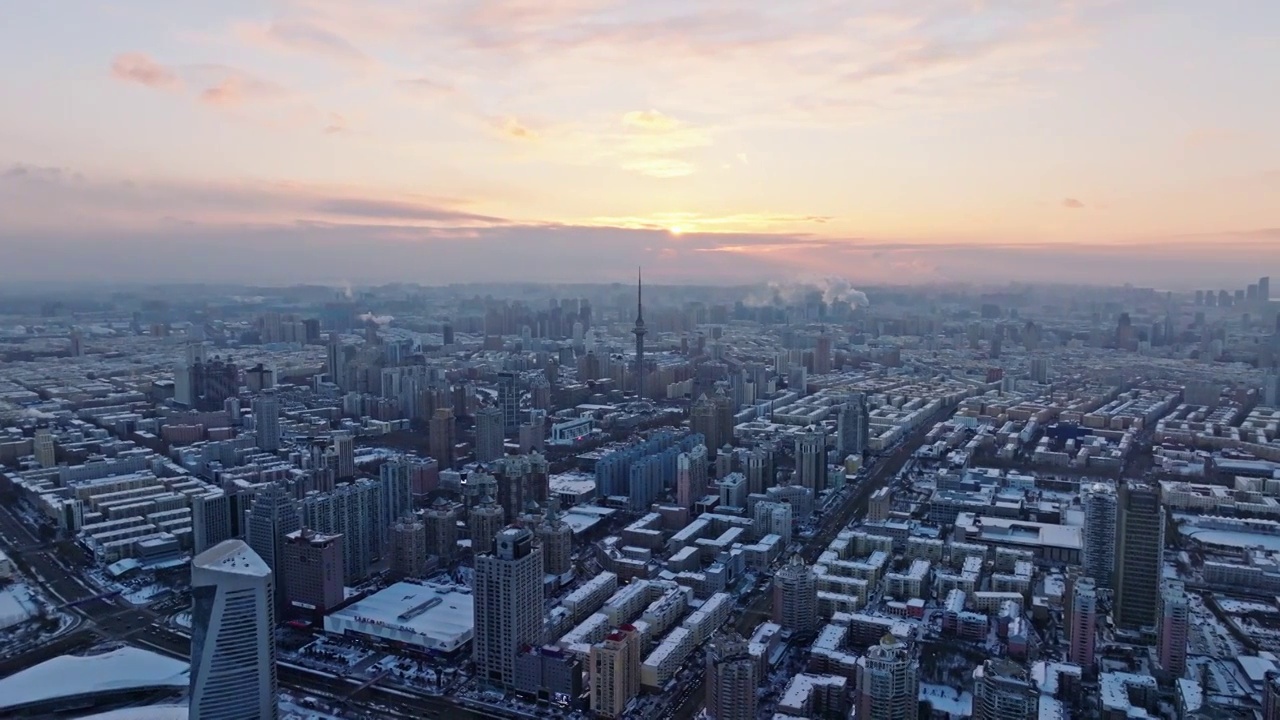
x=881, y=141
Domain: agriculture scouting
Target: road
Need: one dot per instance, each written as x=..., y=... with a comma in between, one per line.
x=853, y=507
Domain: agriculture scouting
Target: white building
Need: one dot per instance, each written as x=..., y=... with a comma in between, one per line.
x=233, y=662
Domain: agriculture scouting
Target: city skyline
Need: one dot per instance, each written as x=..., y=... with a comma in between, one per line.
x=324, y=140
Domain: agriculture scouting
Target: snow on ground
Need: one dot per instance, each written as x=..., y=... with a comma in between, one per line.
x=947, y=699
x=70, y=675
x=183, y=619
x=143, y=594
x=18, y=604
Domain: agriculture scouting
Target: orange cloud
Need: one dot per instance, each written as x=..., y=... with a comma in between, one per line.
x=141, y=69
x=1072, y=204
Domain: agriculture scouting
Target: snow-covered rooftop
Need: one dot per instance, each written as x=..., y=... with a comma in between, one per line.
x=123, y=669
x=436, y=616
x=151, y=712
x=233, y=556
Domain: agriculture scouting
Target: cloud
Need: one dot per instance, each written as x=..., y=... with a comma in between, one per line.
x=140, y=68
x=651, y=120
x=236, y=87
x=299, y=35
x=427, y=86
x=337, y=125
x=1072, y=204
x=395, y=210
x=512, y=128
x=659, y=167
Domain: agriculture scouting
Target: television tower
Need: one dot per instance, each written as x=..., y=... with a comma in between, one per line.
x=639, y=331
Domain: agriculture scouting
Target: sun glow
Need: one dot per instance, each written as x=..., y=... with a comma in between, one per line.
x=676, y=230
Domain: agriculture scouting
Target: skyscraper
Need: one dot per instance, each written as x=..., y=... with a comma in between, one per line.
x=691, y=476
x=822, y=355
x=1100, y=534
x=352, y=510
x=795, y=597
x=1003, y=690
x=639, y=331
x=1171, y=636
x=409, y=548
x=556, y=538
x=272, y=515
x=395, y=496
x=888, y=682
x=45, y=452
x=441, y=531
x=731, y=679
x=489, y=434
x=266, y=421
x=344, y=447
x=1139, y=555
x=1082, y=623
x=615, y=672
x=1264, y=289
x=313, y=570
x=725, y=410
x=508, y=605
x=811, y=461
x=441, y=435
x=210, y=520
x=854, y=427
x=483, y=523
x=233, y=649
x=509, y=402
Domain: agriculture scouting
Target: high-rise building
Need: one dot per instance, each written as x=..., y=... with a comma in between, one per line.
x=556, y=539
x=1040, y=370
x=1004, y=690
x=731, y=680
x=489, y=434
x=395, y=496
x=888, y=682
x=702, y=420
x=1100, y=533
x=233, y=649
x=1139, y=560
x=1171, y=635
x=795, y=598
x=725, y=411
x=313, y=571
x=1271, y=696
x=409, y=548
x=352, y=510
x=441, y=531
x=442, y=437
x=879, y=505
x=639, y=331
x=45, y=452
x=773, y=518
x=822, y=355
x=615, y=672
x=272, y=515
x=759, y=470
x=854, y=427
x=484, y=520
x=691, y=476
x=210, y=520
x=811, y=461
x=1264, y=289
x=344, y=447
x=509, y=401
x=508, y=605
x=266, y=421
x=1082, y=623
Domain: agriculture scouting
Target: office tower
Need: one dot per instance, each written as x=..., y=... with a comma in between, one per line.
x=1199, y=297
x=639, y=331
x=533, y=434
x=854, y=427
x=1004, y=690
x=210, y=520
x=272, y=515
x=259, y=378
x=556, y=539
x=759, y=470
x=266, y=421
x=1082, y=623
x=1040, y=370
x=446, y=334
x=822, y=355
x=409, y=548
x=1224, y=298
x=352, y=510
x=77, y=342
x=395, y=496
x=615, y=672
x=233, y=649
x=702, y=420
x=1139, y=555
x=795, y=598
x=797, y=380
x=733, y=490
x=540, y=392
x=441, y=437
x=1171, y=635
x=691, y=476
x=731, y=680
x=725, y=410
x=483, y=523
x=45, y=452
x=888, y=682
x=508, y=605
x=441, y=531
x=344, y=446
x=811, y=461
x=489, y=434
x=1100, y=534
x=509, y=401
x=313, y=570
x=1264, y=289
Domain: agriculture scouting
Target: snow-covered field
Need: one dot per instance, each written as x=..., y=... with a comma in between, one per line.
x=947, y=699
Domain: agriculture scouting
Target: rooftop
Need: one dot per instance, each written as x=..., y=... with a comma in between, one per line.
x=436, y=616
x=124, y=669
x=232, y=556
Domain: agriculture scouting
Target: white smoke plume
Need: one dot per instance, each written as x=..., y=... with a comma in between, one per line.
x=37, y=414
x=798, y=291
x=379, y=319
